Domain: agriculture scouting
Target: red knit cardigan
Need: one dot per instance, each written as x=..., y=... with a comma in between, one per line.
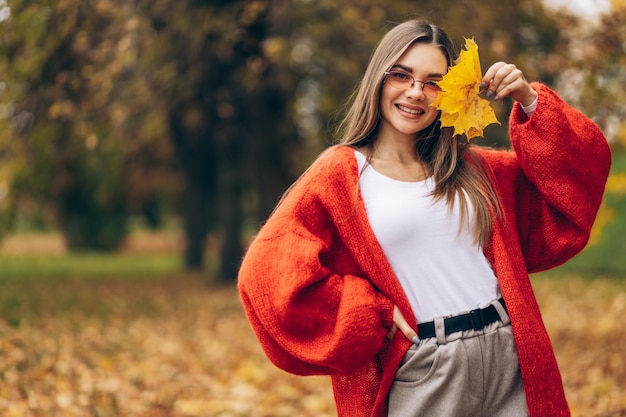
x=319, y=292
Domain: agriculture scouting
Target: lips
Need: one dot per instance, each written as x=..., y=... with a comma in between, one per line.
x=410, y=110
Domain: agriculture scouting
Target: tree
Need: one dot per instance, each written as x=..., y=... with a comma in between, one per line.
x=55, y=124
x=71, y=120
x=216, y=88
x=594, y=78
x=211, y=108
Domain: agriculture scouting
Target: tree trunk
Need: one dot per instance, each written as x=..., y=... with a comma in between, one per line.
x=232, y=219
x=198, y=162
x=196, y=217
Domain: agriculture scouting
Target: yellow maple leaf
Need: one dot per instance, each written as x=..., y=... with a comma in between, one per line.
x=461, y=106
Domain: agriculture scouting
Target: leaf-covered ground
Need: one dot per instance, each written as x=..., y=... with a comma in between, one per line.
x=177, y=347
x=150, y=348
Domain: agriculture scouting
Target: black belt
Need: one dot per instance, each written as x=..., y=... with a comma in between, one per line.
x=475, y=319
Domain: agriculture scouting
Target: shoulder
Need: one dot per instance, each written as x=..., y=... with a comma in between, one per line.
x=335, y=165
x=337, y=156
x=324, y=189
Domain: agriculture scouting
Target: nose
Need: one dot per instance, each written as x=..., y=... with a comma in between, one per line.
x=416, y=90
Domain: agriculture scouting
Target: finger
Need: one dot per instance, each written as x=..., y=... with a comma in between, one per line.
x=492, y=79
x=518, y=89
x=499, y=79
x=507, y=80
x=509, y=89
x=511, y=81
x=403, y=325
x=491, y=72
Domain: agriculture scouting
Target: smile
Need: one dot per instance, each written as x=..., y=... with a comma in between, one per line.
x=409, y=110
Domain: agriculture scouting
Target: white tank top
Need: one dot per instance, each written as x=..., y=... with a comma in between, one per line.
x=441, y=271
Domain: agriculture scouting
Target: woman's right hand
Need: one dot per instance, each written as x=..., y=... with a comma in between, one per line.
x=400, y=323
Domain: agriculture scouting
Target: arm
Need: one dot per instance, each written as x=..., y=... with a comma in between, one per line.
x=310, y=309
x=563, y=161
x=566, y=158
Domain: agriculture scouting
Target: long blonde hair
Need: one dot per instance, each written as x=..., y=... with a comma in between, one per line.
x=456, y=171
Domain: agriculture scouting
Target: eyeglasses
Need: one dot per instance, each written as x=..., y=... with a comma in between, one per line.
x=403, y=81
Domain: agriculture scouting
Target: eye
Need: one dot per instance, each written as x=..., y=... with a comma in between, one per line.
x=400, y=76
x=432, y=85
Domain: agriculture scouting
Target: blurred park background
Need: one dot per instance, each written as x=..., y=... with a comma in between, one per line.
x=142, y=143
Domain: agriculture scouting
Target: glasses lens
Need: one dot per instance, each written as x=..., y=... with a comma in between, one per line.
x=399, y=79
x=431, y=88
x=403, y=80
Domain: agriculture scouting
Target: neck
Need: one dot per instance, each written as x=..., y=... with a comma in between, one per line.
x=395, y=149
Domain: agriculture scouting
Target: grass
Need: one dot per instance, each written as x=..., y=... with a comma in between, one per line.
x=88, y=265
x=44, y=256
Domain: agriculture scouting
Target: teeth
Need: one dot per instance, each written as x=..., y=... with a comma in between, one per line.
x=411, y=111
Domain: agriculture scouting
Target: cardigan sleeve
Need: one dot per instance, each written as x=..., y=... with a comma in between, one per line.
x=564, y=161
x=311, y=310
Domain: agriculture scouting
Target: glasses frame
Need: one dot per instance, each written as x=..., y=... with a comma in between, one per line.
x=429, y=87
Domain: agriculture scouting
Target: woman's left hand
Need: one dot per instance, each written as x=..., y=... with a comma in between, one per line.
x=506, y=80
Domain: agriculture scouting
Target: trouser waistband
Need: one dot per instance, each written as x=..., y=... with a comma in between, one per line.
x=475, y=319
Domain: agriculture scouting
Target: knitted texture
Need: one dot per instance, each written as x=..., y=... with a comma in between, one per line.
x=319, y=292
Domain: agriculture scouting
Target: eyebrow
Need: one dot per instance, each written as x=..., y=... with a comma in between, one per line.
x=410, y=70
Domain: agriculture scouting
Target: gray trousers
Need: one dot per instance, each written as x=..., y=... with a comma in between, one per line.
x=474, y=373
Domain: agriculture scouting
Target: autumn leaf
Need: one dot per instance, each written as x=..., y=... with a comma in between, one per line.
x=461, y=106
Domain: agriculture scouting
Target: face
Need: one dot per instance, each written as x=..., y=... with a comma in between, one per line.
x=406, y=110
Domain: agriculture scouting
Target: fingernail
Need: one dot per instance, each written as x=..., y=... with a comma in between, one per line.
x=481, y=87
x=496, y=98
x=416, y=340
x=489, y=94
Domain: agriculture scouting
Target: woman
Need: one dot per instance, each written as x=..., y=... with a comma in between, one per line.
x=404, y=225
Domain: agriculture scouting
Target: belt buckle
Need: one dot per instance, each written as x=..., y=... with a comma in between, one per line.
x=476, y=318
